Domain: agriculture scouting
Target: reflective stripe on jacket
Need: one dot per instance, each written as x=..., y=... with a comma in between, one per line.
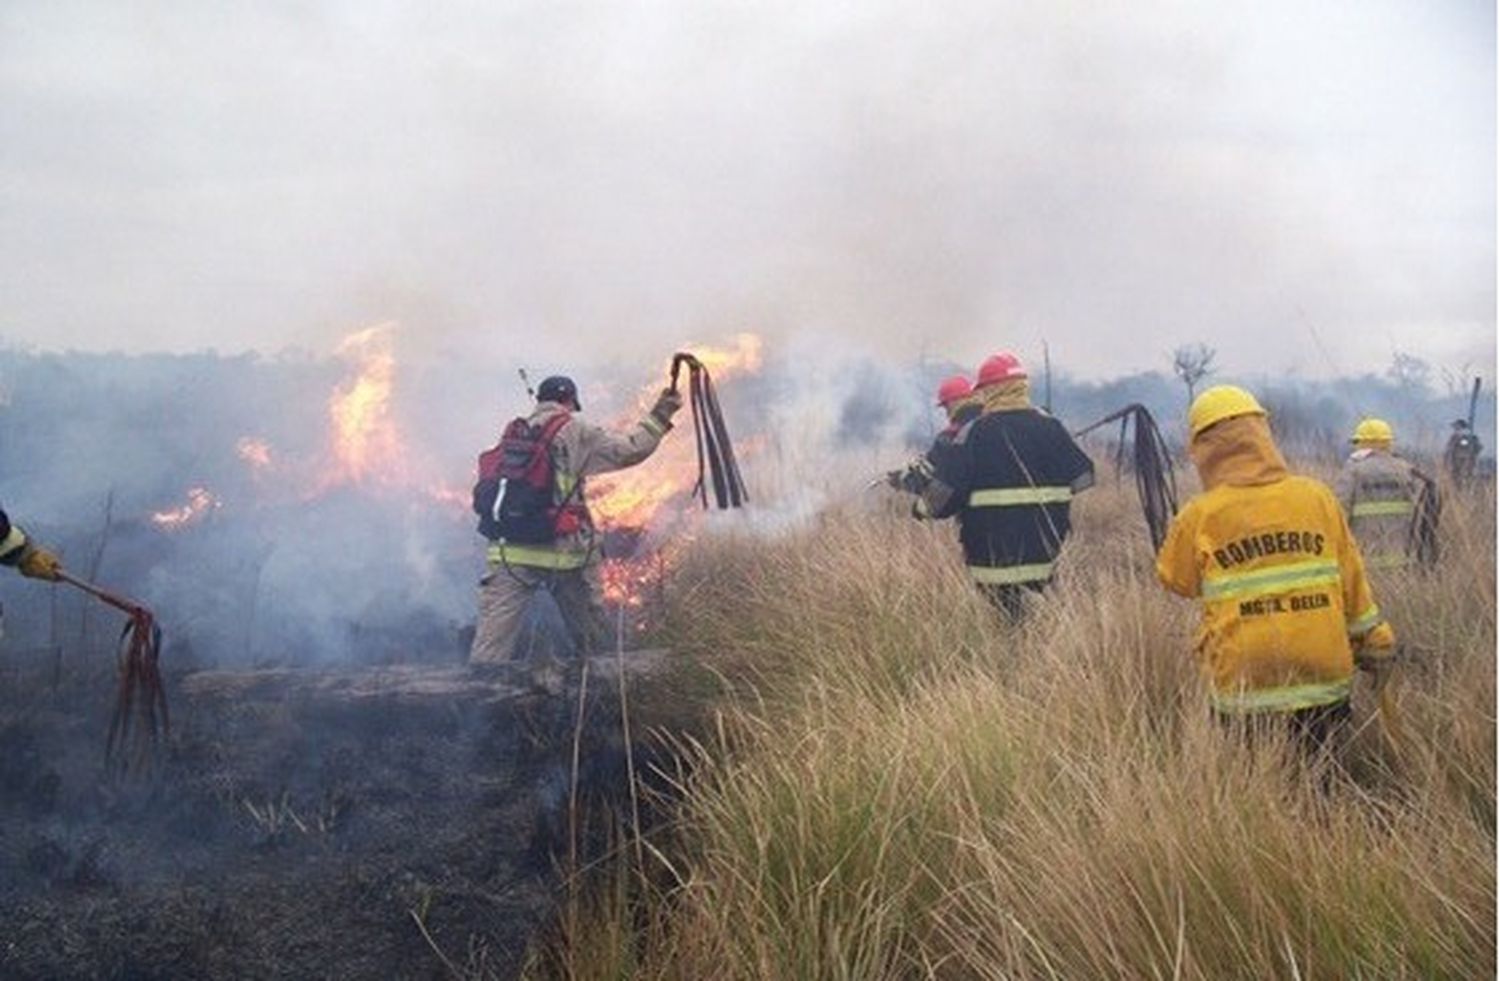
x=1378, y=492
x=1010, y=479
x=1281, y=580
x=535, y=557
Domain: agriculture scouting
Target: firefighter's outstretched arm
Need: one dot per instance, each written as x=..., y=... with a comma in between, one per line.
x=947, y=489
x=601, y=451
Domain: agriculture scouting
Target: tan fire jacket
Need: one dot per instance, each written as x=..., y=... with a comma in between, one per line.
x=580, y=450
x=1379, y=492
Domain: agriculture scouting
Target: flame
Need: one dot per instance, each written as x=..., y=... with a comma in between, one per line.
x=255, y=451
x=201, y=502
x=744, y=358
x=627, y=503
x=630, y=582
x=632, y=498
x=366, y=443
x=365, y=447
x=641, y=497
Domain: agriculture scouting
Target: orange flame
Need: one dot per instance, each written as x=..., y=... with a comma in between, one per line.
x=632, y=498
x=201, y=502
x=641, y=497
x=366, y=442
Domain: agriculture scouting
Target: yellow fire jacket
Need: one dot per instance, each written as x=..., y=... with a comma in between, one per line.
x=1283, y=587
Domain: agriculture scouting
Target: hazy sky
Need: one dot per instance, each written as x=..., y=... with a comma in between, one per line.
x=602, y=178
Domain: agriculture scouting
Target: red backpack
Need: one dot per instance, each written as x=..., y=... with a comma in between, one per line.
x=517, y=480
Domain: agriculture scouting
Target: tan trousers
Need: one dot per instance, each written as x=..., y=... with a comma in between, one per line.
x=510, y=625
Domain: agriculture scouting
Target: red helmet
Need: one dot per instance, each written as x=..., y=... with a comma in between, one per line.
x=954, y=389
x=1002, y=367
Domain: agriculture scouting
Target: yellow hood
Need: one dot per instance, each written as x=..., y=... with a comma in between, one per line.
x=1005, y=396
x=964, y=405
x=1239, y=452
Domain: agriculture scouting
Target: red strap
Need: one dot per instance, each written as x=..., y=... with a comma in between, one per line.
x=549, y=432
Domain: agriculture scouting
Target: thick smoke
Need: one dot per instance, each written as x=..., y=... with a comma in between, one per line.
x=559, y=178
x=285, y=567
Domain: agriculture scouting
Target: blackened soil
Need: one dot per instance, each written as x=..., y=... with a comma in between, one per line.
x=294, y=825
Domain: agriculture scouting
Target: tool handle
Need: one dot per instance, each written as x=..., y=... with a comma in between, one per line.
x=678, y=360
x=103, y=595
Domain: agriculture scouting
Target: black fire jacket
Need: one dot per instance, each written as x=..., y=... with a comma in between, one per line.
x=1010, y=477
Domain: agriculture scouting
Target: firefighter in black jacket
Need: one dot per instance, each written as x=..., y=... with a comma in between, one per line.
x=957, y=399
x=1009, y=478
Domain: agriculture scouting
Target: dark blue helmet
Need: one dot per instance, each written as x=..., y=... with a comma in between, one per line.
x=560, y=389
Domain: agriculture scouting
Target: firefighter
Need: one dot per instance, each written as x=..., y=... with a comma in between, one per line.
x=563, y=565
x=18, y=551
x=1461, y=455
x=1009, y=479
x=955, y=396
x=1380, y=493
x=1287, y=610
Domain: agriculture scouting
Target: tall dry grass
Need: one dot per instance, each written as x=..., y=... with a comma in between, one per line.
x=899, y=785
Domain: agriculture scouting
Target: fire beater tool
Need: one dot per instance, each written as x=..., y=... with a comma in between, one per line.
x=1423, y=533
x=140, y=690
x=716, y=463
x=1155, y=481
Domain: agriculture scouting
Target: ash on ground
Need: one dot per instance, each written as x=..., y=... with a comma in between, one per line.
x=304, y=824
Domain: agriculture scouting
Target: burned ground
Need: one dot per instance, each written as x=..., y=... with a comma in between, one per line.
x=298, y=824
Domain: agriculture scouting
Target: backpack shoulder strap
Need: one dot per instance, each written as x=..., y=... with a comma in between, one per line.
x=551, y=427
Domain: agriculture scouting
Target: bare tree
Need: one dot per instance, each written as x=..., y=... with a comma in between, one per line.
x=1456, y=381
x=1410, y=373
x=1192, y=363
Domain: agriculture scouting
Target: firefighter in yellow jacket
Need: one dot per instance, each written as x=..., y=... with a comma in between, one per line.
x=1287, y=610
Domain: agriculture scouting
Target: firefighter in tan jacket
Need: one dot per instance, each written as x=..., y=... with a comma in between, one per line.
x=1380, y=493
x=1287, y=609
x=564, y=565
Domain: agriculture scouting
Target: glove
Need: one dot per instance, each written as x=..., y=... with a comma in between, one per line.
x=917, y=475
x=667, y=404
x=38, y=563
x=893, y=478
x=1379, y=642
x=1376, y=654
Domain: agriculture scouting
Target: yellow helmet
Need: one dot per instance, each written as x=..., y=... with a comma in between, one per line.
x=1219, y=403
x=1373, y=431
